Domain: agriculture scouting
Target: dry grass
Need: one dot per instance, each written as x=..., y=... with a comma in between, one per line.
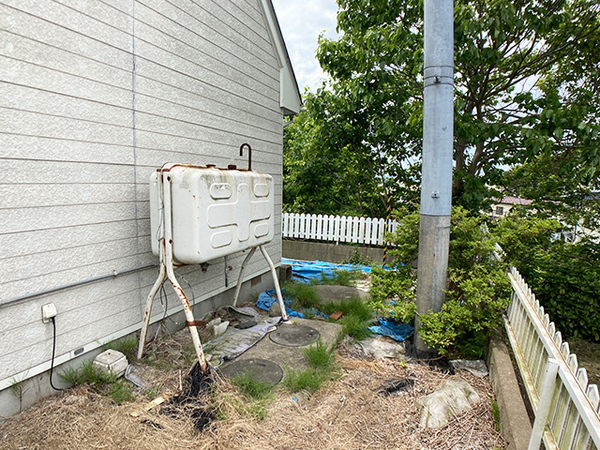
x=348, y=414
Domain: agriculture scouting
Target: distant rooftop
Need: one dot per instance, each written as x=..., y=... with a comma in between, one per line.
x=515, y=201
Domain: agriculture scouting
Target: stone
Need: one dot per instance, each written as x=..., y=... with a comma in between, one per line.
x=379, y=348
x=213, y=323
x=219, y=329
x=476, y=367
x=275, y=310
x=451, y=398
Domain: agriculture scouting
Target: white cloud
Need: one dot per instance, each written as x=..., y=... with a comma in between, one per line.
x=301, y=23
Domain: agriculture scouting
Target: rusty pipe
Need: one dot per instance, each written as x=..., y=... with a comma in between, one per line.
x=249, y=154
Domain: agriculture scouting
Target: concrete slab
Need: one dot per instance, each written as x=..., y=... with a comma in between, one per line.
x=291, y=356
x=328, y=293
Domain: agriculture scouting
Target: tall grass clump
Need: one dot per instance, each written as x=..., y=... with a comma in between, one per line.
x=322, y=368
x=302, y=295
x=101, y=381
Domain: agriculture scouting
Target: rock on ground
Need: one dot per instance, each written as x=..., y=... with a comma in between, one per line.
x=451, y=398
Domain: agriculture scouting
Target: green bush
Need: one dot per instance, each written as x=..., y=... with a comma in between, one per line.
x=471, y=312
x=393, y=293
x=565, y=277
x=476, y=290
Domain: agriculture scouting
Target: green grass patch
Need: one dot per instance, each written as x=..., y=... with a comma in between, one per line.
x=357, y=316
x=252, y=388
x=320, y=356
x=120, y=392
x=102, y=381
x=259, y=394
x=350, y=307
x=323, y=368
x=127, y=345
x=302, y=295
x=339, y=278
x=296, y=380
x=355, y=327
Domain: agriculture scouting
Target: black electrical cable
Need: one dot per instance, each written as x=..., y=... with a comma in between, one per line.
x=53, y=354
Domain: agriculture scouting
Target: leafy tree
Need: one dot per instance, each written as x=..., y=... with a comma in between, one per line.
x=526, y=77
x=324, y=179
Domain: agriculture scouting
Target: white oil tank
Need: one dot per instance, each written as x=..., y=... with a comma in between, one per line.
x=215, y=212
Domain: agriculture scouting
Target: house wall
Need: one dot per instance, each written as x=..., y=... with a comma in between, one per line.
x=95, y=96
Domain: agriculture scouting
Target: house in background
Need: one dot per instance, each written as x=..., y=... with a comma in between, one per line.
x=95, y=97
x=501, y=208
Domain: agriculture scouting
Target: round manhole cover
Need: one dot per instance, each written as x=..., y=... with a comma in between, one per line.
x=261, y=369
x=294, y=335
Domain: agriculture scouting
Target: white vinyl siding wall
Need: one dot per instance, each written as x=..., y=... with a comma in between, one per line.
x=95, y=96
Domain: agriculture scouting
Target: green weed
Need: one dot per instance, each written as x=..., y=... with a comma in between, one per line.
x=320, y=356
x=323, y=368
x=153, y=360
x=152, y=393
x=258, y=392
x=252, y=388
x=17, y=388
x=339, y=278
x=120, y=392
x=296, y=380
x=102, y=381
x=359, y=260
x=496, y=414
x=127, y=345
x=355, y=327
x=302, y=295
x=351, y=307
x=357, y=316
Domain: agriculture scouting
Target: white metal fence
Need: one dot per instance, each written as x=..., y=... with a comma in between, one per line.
x=565, y=406
x=358, y=230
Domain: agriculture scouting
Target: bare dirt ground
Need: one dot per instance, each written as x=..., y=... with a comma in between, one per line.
x=348, y=414
x=588, y=355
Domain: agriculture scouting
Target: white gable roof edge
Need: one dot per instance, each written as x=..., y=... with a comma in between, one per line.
x=290, y=99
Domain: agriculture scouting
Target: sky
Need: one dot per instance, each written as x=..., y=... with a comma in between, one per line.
x=301, y=22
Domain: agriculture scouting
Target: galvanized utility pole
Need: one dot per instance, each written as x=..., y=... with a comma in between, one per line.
x=436, y=185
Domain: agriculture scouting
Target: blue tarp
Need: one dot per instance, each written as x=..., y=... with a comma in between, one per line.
x=397, y=331
x=304, y=271
x=267, y=298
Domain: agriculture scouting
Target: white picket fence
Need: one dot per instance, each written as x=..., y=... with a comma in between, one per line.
x=565, y=406
x=357, y=230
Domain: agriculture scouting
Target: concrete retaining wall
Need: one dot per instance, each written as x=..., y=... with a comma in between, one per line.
x=515, y=424
x=311, y=251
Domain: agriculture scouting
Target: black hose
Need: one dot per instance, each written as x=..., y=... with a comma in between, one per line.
x=53, y=354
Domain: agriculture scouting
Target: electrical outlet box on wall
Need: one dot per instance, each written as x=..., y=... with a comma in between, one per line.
x=48, y=312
